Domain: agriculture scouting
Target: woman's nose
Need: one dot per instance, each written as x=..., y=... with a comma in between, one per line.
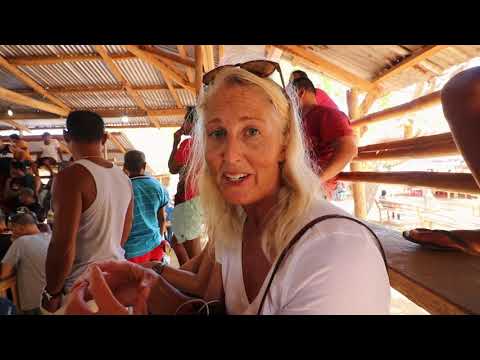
x=233, y=151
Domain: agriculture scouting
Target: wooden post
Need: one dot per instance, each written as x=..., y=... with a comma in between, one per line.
x=198, y=68
x=359, y=198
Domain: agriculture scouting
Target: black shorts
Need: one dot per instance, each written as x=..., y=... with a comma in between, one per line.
x=44, y=160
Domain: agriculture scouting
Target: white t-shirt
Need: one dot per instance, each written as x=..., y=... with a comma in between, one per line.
x=50, y=150
x=335, y=268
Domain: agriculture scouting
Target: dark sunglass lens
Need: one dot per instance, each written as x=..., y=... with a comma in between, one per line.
x=260, y=68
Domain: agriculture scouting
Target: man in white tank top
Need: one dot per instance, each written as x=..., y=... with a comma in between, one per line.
x=93, y=204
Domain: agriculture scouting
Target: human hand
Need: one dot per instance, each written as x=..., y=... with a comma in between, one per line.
x=113, y=285
x=177, y=135
x=51, y=305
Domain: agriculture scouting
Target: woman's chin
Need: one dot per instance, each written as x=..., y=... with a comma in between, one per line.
x=237, y=199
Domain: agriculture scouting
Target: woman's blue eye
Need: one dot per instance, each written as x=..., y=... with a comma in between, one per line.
x=217, y=133
x=252, y=132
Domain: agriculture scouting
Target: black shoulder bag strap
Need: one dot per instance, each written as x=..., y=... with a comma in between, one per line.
x=299, y=235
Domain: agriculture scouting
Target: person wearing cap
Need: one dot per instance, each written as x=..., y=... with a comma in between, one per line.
x=146, y=241
x=93, y=205
x=26, y=257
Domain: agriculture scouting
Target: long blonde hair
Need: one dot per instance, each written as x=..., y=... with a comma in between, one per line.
x=299, y=184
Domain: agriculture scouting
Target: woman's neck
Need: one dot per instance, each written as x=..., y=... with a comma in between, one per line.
x=258, y=213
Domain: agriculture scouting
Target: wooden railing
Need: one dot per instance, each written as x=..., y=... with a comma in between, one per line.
x=441, y=283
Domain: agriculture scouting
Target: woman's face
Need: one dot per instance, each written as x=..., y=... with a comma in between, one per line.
x=244, y=144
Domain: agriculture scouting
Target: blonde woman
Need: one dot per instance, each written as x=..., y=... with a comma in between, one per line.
x=258, y=193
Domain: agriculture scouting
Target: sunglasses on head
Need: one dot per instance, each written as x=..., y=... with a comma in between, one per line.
x=261, y=68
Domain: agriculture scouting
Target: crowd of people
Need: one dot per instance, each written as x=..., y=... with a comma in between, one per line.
x=255, y=178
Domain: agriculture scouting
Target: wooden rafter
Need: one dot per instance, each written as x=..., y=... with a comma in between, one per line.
x=164, y=69
x=199, y=68
x=19, y=99
x=123, y=81
x=415, y=58
x=208, y=59
x=107, y=113
x=221, y=53
x=170, y=57
x=50, y=60
x=269, y=51
x=367, y=102
x=13, y=69
x=118, y=144
x=167, y=75
x=326, y=67
x=16, y=125
x=190, y=72
x=170, y=65
x=97, y=89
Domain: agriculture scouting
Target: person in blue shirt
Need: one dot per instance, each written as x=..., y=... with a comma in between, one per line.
x=146, y=241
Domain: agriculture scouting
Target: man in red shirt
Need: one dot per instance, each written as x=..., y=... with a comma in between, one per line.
x=320, y=95
x=329, y=138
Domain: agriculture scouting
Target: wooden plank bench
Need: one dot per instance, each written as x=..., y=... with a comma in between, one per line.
x=442, y=282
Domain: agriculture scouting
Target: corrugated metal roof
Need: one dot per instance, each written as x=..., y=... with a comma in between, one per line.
x=158, y=99
x=43, y=50
x=369, y=61
x=139, y=73
x=116, y=49
x=169, y=120
x=71, y=74
x=9, y=81
x=113, y=99
x=133, y=121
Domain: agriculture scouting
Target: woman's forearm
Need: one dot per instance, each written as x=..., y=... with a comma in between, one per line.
x=193, y=277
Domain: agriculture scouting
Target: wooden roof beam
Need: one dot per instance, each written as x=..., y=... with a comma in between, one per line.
x=328, y=68
x=53, y=59
x=13, y=69
x=410, y=61
x=180, y=59
x=106, y=113
x=199, y=68
x=16, y=125
x=190, y=72
x=113, y=138
x=123, y=80
x=221, y=53
x=166, y=73
x=97, y=89
x=208, y=59
x=169, y=64
x=19, y=99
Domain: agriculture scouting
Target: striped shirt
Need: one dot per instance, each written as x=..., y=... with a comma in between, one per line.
x=149, y=198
